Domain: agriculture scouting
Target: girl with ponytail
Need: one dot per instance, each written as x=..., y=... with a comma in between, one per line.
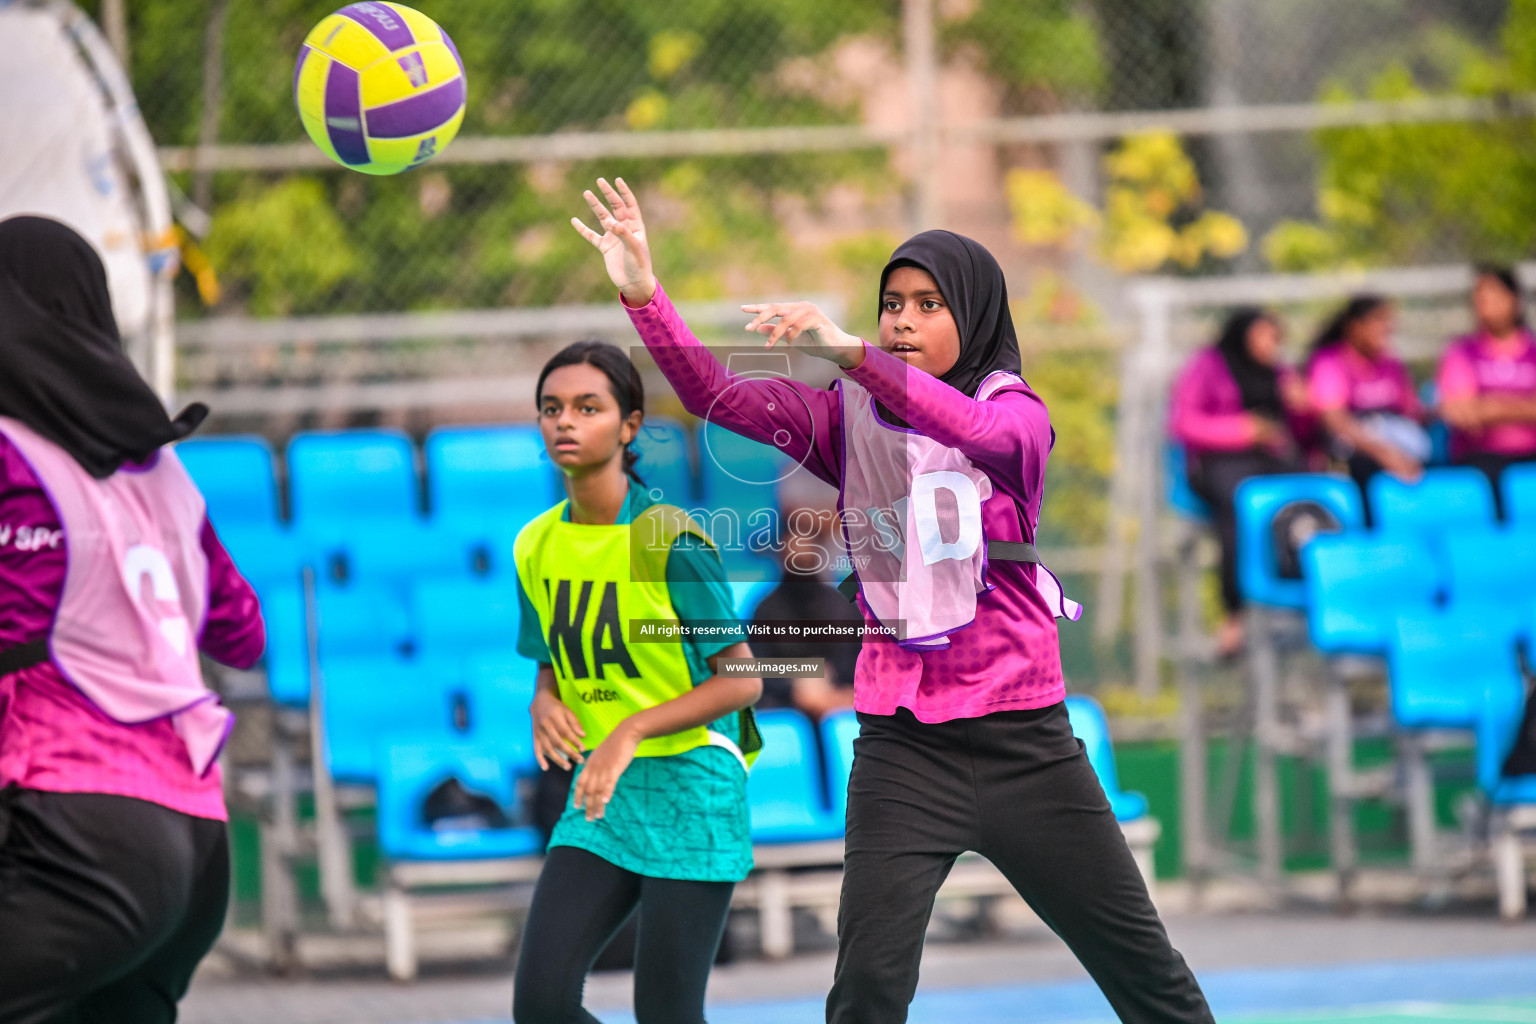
x=656, y=822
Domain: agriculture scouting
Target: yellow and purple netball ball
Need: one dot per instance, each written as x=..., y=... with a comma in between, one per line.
x=379, y=87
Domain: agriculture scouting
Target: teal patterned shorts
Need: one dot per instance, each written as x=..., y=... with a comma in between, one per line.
x=682, y=817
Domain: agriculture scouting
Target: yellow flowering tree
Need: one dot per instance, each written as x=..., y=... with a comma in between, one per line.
x=1153, y=217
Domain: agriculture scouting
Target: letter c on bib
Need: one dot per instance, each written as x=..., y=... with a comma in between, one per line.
x=925, y=514
x=143, y=560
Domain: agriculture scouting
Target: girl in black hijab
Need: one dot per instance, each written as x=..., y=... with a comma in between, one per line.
x=1230, y=411
x=938, y=448
x=114, y=857
x=63, y=371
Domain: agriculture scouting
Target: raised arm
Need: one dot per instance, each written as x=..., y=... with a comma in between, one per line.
x=795, y=418
x=1009, y=434
x=801, y=421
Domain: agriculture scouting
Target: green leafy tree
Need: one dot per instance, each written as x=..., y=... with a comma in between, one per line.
x=1428, y=192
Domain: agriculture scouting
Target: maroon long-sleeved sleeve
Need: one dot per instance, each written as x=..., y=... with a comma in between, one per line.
x=233, y=632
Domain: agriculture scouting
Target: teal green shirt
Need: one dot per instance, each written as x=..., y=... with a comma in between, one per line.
x=683, y=816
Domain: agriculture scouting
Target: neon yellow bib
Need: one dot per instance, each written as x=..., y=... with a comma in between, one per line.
x=587, y=583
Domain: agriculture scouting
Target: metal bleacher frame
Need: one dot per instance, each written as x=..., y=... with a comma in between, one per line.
x=421, y=892
x=1139, y=546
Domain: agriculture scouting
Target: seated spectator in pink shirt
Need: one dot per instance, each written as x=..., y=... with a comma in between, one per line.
x=1488, y=380
x=1363, y=395
x=1234, y=409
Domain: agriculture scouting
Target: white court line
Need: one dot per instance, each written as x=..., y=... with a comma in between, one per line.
x=1480, y=1012
x=1477, y=1012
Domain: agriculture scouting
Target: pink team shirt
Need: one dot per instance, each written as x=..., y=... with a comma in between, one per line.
x=1008, y=658
x=1341, y=378
x=52, y=737
x=1480, y=365
x=1206, y=411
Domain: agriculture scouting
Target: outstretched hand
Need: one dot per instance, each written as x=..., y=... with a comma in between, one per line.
x=804, y=326
x=626, y=254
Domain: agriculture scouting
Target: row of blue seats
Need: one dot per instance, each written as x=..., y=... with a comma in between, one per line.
x=1443, y=504
x=358, y=507
x=796, y=791
x=1438, y=588
x=434, y=620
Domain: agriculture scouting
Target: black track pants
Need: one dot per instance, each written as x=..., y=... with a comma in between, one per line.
x=1017, y=788
x=107, y=904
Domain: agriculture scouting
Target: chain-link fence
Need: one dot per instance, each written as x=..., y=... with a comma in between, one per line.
x=783, y=147
x=324, y=241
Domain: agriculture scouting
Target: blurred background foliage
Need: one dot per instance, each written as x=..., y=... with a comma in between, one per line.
x=1406, y=194
x=445, y=237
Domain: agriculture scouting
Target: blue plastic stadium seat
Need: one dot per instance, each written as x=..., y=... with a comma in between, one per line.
x=465, y=618
x=237, y=478
x=1519, y=486
x=1455, y=670
x=411, y=770
x=748, y=594
x=838, y=731
x=489, y=477
x=368, y=697
x=265, y=553
x=287, y=654
x=1447, y=667
x=362, y=621
x=1090, y=726
x=399, y=554
x=500, y=688
x=784, y=788
x=338, y=479
x=665, y=463
x=1181, y=497
x=739, y=489
x=1491, y=572
x=1258, y=500
x=1357, y=584
x=1443, y=498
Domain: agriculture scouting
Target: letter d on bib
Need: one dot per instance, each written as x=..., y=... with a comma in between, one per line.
x=925, y=514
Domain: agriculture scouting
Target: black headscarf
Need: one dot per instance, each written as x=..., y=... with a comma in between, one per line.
x=63, y=371
x=1258, y=383
x=973, y=287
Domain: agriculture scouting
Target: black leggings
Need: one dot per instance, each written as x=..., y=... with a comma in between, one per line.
x=107, y=904
x=580, y=902
x=1017, y=788
x=1215, y=476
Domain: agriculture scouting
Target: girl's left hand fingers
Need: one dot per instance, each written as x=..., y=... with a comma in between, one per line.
x=790, y=325
x=598, y=209
x=629, y=197
x=586, y=232
x=764, y=314
x=615, y=200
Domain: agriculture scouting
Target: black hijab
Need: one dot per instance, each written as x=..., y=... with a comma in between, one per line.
x=1259, y=384
x=973, y=287
x=63, y=371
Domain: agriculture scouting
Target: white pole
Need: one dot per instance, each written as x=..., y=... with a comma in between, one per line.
x=1156, y=305
x=923, y=82
x=114, y=22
